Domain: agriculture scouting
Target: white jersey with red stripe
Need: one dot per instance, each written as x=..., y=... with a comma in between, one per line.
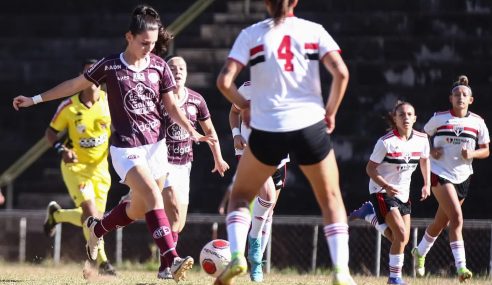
x=284, y=66
x=245, y=90
x=397, y=160
x=453, y=134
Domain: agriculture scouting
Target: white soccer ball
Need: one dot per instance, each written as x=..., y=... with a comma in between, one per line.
x=215, y=256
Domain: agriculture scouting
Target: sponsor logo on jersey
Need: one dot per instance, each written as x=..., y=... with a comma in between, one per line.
x=80, y=128
x=140, y=100
x=112, y=67
x=191, y=109
x=93, y=142
x=146, y=126
x=181, y=150
x=175, y=132
x=123, y=78
x=161, y=232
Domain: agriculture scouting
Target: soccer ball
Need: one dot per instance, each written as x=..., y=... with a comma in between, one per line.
x=215, y=256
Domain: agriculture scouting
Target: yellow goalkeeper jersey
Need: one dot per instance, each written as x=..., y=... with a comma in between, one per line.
x=88, y=129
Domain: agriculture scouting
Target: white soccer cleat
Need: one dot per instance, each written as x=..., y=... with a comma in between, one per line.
x=93, y=242
x=165, y=274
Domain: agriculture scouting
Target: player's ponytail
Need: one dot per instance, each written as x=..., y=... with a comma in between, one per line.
x=145, y=18
x=279, y=9
x=462, y=81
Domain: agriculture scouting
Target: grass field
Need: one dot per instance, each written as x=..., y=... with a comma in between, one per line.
x=21, y=274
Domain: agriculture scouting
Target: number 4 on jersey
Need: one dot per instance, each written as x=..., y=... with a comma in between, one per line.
x=286, y=54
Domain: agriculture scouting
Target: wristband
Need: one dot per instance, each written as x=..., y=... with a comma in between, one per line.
x=235, y=132
x=59, y=147
x=37, y=99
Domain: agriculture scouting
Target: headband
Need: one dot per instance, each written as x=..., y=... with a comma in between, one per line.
x=460, y=85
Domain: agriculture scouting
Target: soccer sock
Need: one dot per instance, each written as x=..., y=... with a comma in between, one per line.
x=373, y=220
x=72, y=216
x=267, y=231
x=396, y=264
x=117, y=217
x=159, y=228
x=425, y=244
x=337, y=238
x=101, y=253
x=261, y=209
x=458, y=248
x=163, y=260
x=238, y=223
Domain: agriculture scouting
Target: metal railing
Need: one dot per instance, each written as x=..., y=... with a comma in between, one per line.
x=296, y=243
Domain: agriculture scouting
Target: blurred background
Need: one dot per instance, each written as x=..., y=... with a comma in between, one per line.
x=395, y=49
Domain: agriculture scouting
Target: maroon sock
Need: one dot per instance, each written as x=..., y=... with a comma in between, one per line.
x=117, y=217
x=158, y=226
x=164, y=262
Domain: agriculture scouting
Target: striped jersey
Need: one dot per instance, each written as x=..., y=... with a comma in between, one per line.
x=397, y=160
x=452, y=134
x=284, y=67
x=88, y=129
x=179, y=144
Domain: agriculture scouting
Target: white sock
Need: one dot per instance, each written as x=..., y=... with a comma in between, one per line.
x=458, y=248
x=373, y=220
x=396, y=264
x=261, y=208
x=337, y=238
x=267, y=231
x=238, y=223
x=425, y=244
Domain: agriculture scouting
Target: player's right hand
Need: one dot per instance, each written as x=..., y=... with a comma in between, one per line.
x=69, y=156
x=22, y=101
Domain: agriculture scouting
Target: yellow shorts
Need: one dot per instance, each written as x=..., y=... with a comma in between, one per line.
x=87, y=182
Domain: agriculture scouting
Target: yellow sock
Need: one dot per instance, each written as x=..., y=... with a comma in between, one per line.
x=72, y=216
x=101, y=253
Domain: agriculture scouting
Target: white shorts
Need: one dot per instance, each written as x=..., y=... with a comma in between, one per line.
x=153, y=156
x=179, y=179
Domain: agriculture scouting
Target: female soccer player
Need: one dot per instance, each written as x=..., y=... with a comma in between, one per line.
x=84, y=160
x=286, y=106
x=180, y=152
x=263, y=204
x=138, y=82
x=390, y=167
x=458, y=136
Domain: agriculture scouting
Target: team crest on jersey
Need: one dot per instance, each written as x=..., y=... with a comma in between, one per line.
x=153, y=77
x=138, y=77
x=406, y=156
x=458, y=130
x=192, y=110
x=140, y=100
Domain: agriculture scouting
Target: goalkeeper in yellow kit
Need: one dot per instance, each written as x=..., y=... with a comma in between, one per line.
x=84, y=151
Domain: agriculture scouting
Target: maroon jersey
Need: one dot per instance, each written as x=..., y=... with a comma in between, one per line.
x=179, y=145
x=134, y=97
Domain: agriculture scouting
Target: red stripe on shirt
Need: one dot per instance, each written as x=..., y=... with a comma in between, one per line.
x=62, y=106
x=256, y=50
x=311, y=46
x=450, y=127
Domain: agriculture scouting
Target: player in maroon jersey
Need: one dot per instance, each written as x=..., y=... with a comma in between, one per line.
x=180, y=152
x=138, y=83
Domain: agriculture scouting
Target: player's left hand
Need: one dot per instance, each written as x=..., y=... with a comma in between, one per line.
x=330, y=123
x=467, y=153
x=221, y=167
x=426, y=192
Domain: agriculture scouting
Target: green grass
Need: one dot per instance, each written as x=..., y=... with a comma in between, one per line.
x=49, y=274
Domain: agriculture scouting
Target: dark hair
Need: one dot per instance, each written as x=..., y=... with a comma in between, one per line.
x=145, y=18
x=389, y=116
x=462, y=81
x=279, y=9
